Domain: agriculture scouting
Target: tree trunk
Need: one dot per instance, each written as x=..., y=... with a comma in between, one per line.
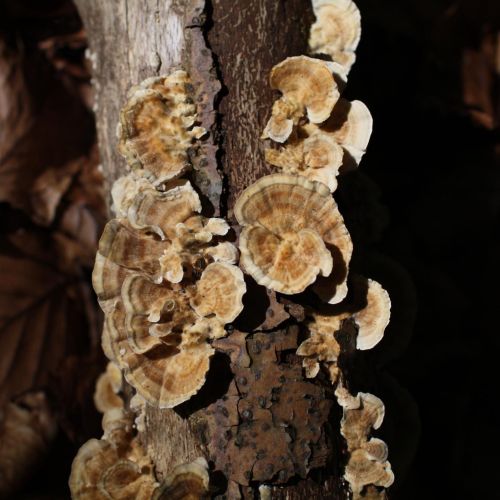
x=228, y=48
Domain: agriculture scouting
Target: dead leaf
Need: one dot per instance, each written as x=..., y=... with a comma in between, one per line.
x=48, y=189
x=74, y=383
x=44, y=130
x=42, y=321
x=27, y=429
x=16, y=114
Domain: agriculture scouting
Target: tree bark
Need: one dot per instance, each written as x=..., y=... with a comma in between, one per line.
x=224, y=45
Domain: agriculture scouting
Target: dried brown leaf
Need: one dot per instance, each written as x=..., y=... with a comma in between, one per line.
x=48, y=189
x=27, y=428
x=44, y=130
x=42, y=320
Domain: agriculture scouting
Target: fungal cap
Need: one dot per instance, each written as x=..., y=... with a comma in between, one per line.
x=376, y=449
x=217, y=226
x=307, y=86
x=223, y=252
x=361, y=470
x=317, y=157
x=289, y=223
x=117, y=427
x=107, y=387
x=219, y=292
x=138, y=406
x=131, y=249
x=171, y=265
x=325, y=324
x=324, y=347
x=337, y=30
x=374, y=318
x=99, y=472
x=345, y=399
x=167, y=376
x=324, y=157
x=311, y=367
x=204, y=329
x=124, y=190
x=357, y=422
x=156, y=127
x=186, y=482
x=351, y=125
x=107, y=278
x=288, y=263
x=318, y=347
x=146, y=304
x=283, y=117
x=160, y=212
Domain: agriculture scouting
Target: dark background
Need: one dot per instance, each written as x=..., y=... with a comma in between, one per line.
x=423, y=210
x=429, y=71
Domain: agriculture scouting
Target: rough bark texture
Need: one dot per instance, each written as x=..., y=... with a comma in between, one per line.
x=130, y=41
x=249, y=38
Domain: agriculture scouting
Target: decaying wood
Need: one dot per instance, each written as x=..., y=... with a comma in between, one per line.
x=130, y=41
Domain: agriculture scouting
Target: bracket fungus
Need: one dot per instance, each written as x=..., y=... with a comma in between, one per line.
x=157, y=211
x=373, y=319
x=308, y=88
x=220, y=292
x=186, y=482
x=101, y=471
x=367, y=464
x=129, y=249
x=163, y=277
x=107, y=387
x=368, y=307
x=157, y=332
x=167, y=362
x=317, y=157
x=321, y=152
x=115, y=466
x=337, y=30
x=350, y=125
x=167, y=280
x=157, y=127
x=321, y=346
x=292, y=231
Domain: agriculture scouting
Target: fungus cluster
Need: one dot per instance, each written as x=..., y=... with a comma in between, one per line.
x=294, y=238
x=167, y=279
x=293, y=234
x=107, y=389
x=117, y=467
x=368, y=308
x=157, y=127
x=333, y=139
x=164, y=277
x=367, y=467
x=337, y=30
